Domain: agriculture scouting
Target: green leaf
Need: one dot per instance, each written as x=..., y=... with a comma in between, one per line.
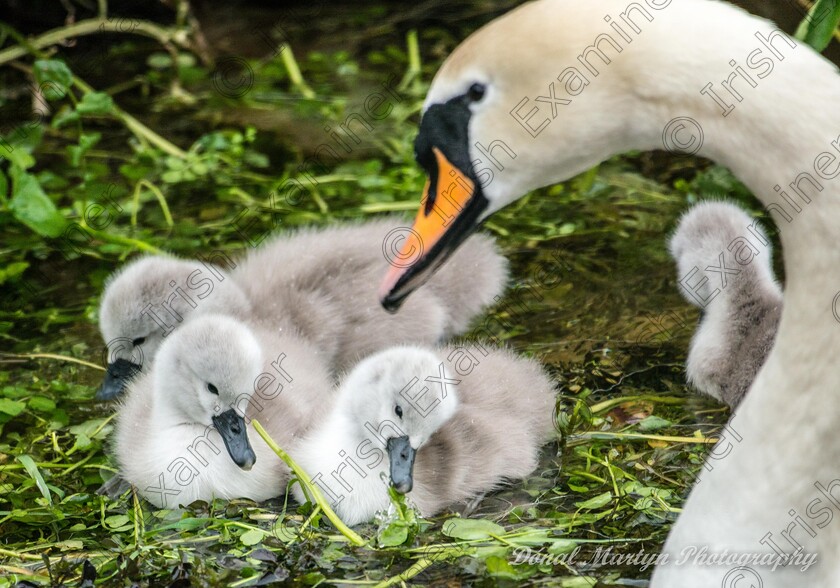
x=818, y=27
x=53, y=78
x=64, y=116
x=86, y=141
x=394, y=534
x=469, y=529
x=89, y=429
x=596, y=502
x=251, y=537
x=32, y=470
x=31, y=206
x=159, y=60
x=18, y=157
x=41, y=404
x=13, y=269
x=11, y=407
x=653, y=423
x=116, y=521
x=18, y=144
x=501, y=568
x=559, y=546
x=95, y=103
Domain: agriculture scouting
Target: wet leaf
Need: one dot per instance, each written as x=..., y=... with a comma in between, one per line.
x=32, y=469
x=394, y=534
x=471, y=528
x=653, y=423
x=32, y=207
x=252, y=537
x=595, y=502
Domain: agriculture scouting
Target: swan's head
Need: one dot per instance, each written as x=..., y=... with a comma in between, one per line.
x=716, y=244
x=535, y=97
x=205, y=374
x=400, y=396
x=146, y=300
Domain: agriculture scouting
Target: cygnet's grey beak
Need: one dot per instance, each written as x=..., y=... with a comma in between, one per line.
x=117, y=376
x=232, y=428
x=402, y=463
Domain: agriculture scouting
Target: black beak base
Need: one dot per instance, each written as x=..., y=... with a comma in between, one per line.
x=402, y=463
x=117, y=376
x=446, y=128
x=232, y=428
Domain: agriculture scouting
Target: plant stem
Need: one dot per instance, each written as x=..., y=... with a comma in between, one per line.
x=614, y=401
x=289, y=61
x=88, y=27
x=160, y=197
x=311, y=489
x=120, y=240
x=418, y=566
x=608, y=435
x=413, y=71
x=140, y=130
x=54, y=356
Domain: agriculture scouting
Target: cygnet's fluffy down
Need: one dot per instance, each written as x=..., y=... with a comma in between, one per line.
x=473, y=416
x=741, y=304
x=183, y=432
x=318, y=283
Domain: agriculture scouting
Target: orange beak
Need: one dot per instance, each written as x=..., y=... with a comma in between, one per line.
x=448, y=213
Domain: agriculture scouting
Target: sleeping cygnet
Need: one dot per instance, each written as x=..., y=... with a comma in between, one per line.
x=184, y=433
x=471, y=422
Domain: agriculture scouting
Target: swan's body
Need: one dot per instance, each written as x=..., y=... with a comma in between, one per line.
x=741, y=305
x=316, y=283
x=168, y=442
x=781, y=137
x=482, y=418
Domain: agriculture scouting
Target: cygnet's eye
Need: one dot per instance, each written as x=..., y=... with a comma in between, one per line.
x=212, y=389
x=138, y=341
x=398, y=411
x=476, y=92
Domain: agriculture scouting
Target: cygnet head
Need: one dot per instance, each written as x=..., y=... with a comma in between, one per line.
x=204, y=375
x=408, y=388
x=146, y=300
x=713, y=233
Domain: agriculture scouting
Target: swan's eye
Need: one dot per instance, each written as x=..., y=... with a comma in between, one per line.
x=212, y=389
x=476, y=92
x=398, y=411
x=138, y=341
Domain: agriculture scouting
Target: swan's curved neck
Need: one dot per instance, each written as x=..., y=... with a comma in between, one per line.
x=785, y=146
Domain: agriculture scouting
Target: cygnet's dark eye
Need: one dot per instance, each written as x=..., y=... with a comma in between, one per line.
x=212, y=389
x=476, y=92
x=138, y=341
x=398, y=411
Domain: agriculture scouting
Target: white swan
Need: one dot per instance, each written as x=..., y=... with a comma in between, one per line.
x=318, y=283
x=741, y=306
x=181, y=434
x=557, y=86
x=472, y=416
